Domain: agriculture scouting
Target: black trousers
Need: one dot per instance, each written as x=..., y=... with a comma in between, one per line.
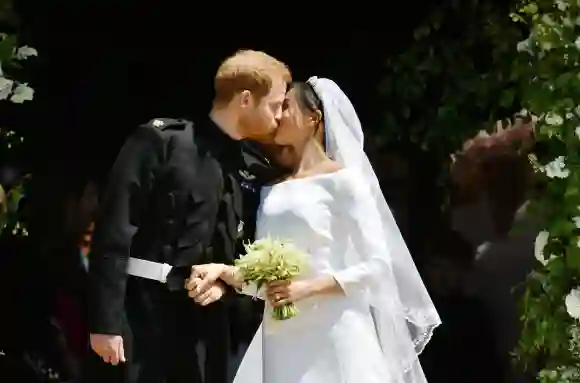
x=163, y=334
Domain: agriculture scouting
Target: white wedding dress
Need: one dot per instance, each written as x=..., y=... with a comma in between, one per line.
x=333, y=339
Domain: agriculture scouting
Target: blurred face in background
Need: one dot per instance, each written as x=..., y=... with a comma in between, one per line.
x=86, y=240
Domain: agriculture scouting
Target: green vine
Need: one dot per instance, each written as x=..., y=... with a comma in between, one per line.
x=14, y=91
x=445, y=88
x=471, y=65
x=549, y=69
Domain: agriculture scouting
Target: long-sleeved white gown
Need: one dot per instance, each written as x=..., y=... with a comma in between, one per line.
x=333, y=339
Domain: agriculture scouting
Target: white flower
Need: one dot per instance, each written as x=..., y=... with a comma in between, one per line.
x=577, y=42
x=22, y=93
x=573, y=303
x=546, y=45
x=5, y=88
x=547, y=19
x=554, y=119
x=557, y=168
x=562, y=5
x=524, y=46
x=539, y=244
x=576, y=221
x=25, y=52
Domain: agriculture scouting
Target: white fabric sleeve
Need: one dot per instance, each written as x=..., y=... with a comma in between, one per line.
x=364, y=225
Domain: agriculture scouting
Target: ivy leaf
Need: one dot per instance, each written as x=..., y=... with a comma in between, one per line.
x=557, y=270
x=507, y=98
x=573, y=257
x=564, y=79
x=421, y=32
x=14, y=197
x=3, y=210
x=7, y=46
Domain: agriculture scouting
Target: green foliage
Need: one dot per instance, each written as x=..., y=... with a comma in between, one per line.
x=3, y=209
x=9, y=204
x=453, y=81
x=14, y=91
x=447, y=85
x=472, y=64
x=550, y=87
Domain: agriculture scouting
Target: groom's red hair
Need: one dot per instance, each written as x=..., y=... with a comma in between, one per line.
x=248, y=70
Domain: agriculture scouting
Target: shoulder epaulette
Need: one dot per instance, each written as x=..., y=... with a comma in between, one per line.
x=167, y=123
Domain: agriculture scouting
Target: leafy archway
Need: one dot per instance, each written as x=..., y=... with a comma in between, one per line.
x=550, y=88
x=471, y=65
x=15, y=92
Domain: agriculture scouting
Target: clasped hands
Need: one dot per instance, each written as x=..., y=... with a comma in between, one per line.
x=206, y=285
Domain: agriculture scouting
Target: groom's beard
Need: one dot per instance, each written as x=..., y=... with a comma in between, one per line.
x=266, y=139
x=255, y=129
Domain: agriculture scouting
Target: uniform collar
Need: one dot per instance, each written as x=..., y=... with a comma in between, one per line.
x=258, y=164
x=221, y=143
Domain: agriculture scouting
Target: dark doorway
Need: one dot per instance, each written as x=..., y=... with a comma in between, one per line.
x=104, y=69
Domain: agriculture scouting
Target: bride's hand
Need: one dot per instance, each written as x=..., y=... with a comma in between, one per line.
x=280, y=293
x=203, y=277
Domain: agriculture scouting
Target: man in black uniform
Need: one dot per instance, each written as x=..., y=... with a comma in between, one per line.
x=174, y=200
x=246, y=310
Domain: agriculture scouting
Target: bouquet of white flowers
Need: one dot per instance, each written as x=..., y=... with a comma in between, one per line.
x=268, y=260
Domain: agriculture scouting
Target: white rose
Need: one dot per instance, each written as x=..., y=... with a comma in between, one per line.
x=22, y=93
x=572, y=302
x=524, y=46
x=5, y=88
x=539, y=244
x=554, y=119
x=562, y=5
x=25, y=52
x=557, y=168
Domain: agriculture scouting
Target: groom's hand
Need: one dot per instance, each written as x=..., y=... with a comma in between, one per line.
x=210, y=295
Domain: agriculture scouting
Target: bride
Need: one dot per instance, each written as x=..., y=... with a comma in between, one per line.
x=364, y=313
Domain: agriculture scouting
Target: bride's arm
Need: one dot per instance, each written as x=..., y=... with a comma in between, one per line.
x=204, y=276
x=230, y=276
x=371, y=265
x=366, y=231
x=364, y=226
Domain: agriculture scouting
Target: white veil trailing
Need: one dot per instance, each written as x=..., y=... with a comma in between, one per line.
x=404, y=314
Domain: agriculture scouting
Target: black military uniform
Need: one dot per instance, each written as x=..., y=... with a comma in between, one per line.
x=246, y=312
x=174, y=197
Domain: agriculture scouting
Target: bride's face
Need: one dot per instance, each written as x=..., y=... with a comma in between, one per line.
x=298, y=124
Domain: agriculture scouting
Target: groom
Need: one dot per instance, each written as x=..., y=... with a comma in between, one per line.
x=174, y=200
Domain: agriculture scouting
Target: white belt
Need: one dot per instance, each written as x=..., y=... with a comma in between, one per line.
x=147, y=269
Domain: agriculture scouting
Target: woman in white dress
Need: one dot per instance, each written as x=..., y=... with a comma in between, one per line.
x=364, y=314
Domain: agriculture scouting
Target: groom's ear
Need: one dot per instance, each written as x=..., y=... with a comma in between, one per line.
x=245, y=99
